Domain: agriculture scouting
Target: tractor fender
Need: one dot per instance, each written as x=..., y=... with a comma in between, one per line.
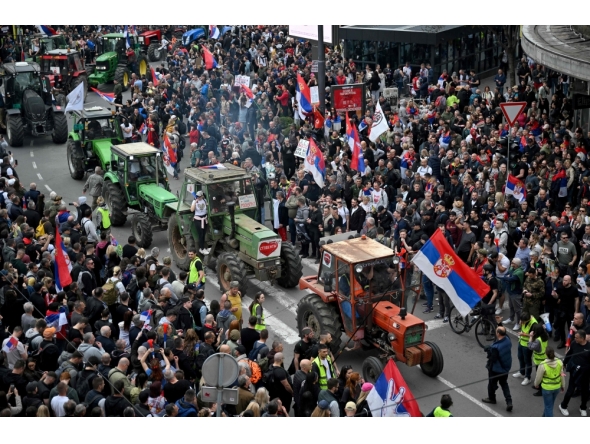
x=111, y=176
x=13, y=111
x=78, y=74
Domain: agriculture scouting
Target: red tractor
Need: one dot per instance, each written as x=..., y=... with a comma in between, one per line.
x=151, y=42
x=64, y=71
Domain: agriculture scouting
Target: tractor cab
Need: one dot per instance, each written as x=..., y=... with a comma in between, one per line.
x=192, y=36
x=50, y=43
x=16, y=79
x=63, y=70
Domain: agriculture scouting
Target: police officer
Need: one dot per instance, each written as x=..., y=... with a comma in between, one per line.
x=199, y=207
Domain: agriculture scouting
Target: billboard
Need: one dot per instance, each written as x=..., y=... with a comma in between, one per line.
x=310, y=32
x=348, y=97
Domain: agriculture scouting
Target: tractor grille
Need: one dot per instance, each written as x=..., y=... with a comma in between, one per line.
x=414, y=336
x=102, y=66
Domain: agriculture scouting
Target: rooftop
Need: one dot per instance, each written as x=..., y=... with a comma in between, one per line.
x=136, y=149
x=209, y=176
x=358, y=250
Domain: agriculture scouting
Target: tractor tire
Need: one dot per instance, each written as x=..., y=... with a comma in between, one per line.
x=75, y=164
x=61, y=100
x=372, y=369
x=141, y=228
x=81, y=79
x=143, y=65
x=314, y=313
x=89, y=69
x=291, y=268
x=230, y=268
x=60, y=128
x=436, y=364
x=122, y=76
x=155, y=54
x=114, y=197
x=179, y=245
x=15, y=131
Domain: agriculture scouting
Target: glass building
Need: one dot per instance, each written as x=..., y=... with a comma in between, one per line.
x=450, y=47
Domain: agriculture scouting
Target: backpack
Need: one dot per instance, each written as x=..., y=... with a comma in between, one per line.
x=263, y=364
x=253, y=355
x=127, y=277
x=132, y=287
x=111, y=293
x=83, y=385
x=40, y=231
x=268, y=377
x=79, y=280
x=256, y=371
x=83, y=231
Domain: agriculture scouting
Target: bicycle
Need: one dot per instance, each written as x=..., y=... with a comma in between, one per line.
x=484, y=328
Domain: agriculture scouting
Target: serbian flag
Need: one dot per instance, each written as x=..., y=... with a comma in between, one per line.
x=437, y=260
x=210, y=62
x=47, y=30
x=169, y=151
x=391, y=396
x=154, y=77
x=247, y=91
x=318, y=119
x=109, y=97
x=303, y=96
x=218, y=166
x=10, y=345
x=357, y=162
x=56, y=320
x=62, y=265
x=404, y=165
x=515, y=188
x=214, y=32
x=143, y=128
x=561, y=180
x=145, y=316
x=314, y=163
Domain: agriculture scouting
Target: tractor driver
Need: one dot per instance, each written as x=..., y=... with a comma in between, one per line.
x=217, y=198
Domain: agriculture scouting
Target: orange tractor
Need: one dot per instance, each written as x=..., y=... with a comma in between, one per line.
x=361, y=290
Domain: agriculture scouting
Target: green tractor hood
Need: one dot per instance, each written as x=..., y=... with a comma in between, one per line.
x=106, y=56
x=98, y=77
x=103, y=150
x=256, y=240
x=158, y=197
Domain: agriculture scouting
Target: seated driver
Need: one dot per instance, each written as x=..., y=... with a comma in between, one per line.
x=216, y=198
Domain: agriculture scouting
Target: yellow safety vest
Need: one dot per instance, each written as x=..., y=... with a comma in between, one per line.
x=106, y=218
x=262, y=325
x=439, y=412
x=526, y=328
x=322, y=378
x=539, y=357
x=194, y=273
x=552, y=376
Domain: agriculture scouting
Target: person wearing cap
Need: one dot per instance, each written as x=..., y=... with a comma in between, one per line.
x=362, y=404
x=235, y=297
x=33, y=396
x=350, y=409
x=199, y=208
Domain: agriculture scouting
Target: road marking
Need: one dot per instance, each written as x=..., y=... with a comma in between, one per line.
x=32, y=154
x=47, y=186
x=34, y=165
x=469, y=397
x=39, y=176
x=31, y=144
x=278, y=295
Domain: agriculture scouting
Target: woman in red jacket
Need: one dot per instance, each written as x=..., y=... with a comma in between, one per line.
x=283, y=98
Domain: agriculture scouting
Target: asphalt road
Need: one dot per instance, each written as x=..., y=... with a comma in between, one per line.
x=464, y=375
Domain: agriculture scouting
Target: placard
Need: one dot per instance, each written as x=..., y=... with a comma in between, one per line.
x=314, y=66
x=302, y=147
x=348, y=97
x=247, y=201
x=242, y=80
x=315, y=95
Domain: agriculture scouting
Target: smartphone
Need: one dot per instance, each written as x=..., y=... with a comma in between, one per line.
x=11, y=389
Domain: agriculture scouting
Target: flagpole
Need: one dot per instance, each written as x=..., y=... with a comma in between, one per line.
x=321, y=70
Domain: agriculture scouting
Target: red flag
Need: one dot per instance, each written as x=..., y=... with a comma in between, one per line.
x=62, y=263
x=247, y=91
x=210, y=62
x=356, y=161
x=318, y=119
x=169, y=150
x=154, y=78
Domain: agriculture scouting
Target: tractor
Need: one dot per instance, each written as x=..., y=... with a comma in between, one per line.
x=49, y=43
x=28, y=107
x=360, y=290
x=151, y=43
x=112, y=64
x=65, y=71
x=238, y=245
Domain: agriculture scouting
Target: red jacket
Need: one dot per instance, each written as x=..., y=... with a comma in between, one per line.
x=284, y=98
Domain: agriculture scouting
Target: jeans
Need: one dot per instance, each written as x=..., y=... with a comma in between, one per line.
x=292, y=231
x=375, y=96
x=515, y=304
x=428, y=290
x=549, y=397
x=444, y=303
x=495, y=378
x=565, y=88
x=525, y=359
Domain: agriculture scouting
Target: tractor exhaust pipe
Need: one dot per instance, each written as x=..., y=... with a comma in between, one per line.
x=231, y=208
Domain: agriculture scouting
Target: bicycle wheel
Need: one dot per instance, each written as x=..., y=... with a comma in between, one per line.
x=485, y=332
x=457, y=322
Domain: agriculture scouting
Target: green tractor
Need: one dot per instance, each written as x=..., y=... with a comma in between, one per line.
x=112, y=64
x=238, y=245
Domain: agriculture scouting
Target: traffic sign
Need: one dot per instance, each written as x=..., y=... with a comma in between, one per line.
x=512, y=110
x=220, y=370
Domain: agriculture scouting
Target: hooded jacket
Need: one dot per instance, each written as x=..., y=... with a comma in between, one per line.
x=224, y=318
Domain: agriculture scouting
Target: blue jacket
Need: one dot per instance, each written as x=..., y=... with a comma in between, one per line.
x=501, y=355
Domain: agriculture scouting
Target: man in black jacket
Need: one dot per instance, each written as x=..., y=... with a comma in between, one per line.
x=357, y=216
x=577, y=362
x=312, y=224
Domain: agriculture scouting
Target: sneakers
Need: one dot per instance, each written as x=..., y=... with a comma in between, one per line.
x=518, y=375
x=563, y=411
x=425, y=304
x=526, y=381
x=488, y=401
x=507, y=321
x=499, y=311
x=205, y=251
x=438, y=316
x=428, y=310
x=516, y=327
x=583, y=413
x=508, y=407
x=445, y=320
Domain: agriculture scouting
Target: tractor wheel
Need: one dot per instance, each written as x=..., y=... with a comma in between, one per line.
x=179, y=245
x=81, y=79
x=89, y=69
x=143, y=66
x=122, y=76
x=230, y=268
x=155, y=54
x=436, y=364
x=141, y=228
x=60, y=128
x=312, y=312
x=372, y=369
x=15, y=131
x=115, y=200
x=61, y=100
x=291, y=268
x=75, y=164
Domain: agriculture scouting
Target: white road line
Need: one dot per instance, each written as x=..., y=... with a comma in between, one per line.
x=34, y=165
x=277, y=294
x=39, y=176
x=47, y=186
x=32, y=154
x=469, y=397
x=31, y=144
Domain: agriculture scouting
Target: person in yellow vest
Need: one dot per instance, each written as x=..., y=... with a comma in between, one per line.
x=196, y=271
x=538, y=339
x=103, y=216
x=525, y=355
x=442, y=411
x=235, y=297
x=257, y=310
x=551, y=379
x=323, y=366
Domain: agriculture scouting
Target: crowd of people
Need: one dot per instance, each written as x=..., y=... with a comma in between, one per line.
x=137, y=334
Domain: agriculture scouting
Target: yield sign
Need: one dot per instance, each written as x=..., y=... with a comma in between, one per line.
x=512, y=110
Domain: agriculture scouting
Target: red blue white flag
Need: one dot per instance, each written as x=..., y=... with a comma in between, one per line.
x=62, y=266
x=391, y=396
x=314, y=163
x=515, y=187
x=10, y=345
x=214, y=32
x=109, y=97
x=303, y=96
x=45, y=29
x=210, y=62
x=357, y=162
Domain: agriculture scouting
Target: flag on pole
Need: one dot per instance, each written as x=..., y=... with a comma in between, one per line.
x=214, y=32
x=437, y=260
x=314, y=163
x=62, y=266
x=76, y=99
x=562, y=179
x=246, y=90
x=126, y=35
x=210, y=62
x=155, y=80
x=169, y=150
x=515, y=188
x=357, y=162
x=391, y=396
x=145, y=316
x=362, y=126
x=47, y=30
x=303, y=96
x=318, y=119
x=379, y=124
x=143, y=129
x=109, y=97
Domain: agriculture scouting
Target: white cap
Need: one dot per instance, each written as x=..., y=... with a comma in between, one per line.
x=153, y=267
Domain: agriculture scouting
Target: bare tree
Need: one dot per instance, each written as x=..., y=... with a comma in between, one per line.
x=507, y=36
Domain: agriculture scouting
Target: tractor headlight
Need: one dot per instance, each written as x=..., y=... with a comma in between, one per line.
x=141, y=40
x=395, y=260
x=278, y=262
x=358, y=268
x=391, y=337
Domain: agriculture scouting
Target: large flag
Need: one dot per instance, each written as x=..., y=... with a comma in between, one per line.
x=562, y=178
x=56, y=320
x=76, y=99
x=62, y=266
x=318, y=119
x=109, y=97
x=357, y=162
x=437, y=260
x=379, y=124
x=314, y=163
x=169, y=160
x=126, y=35
x=210, y=62
x=303, y=96
x=155, y=80
x=218, y=166
x=246, y=90
x=47, y=30
x=391, y=396
x=214, y=32
x=515, y=187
